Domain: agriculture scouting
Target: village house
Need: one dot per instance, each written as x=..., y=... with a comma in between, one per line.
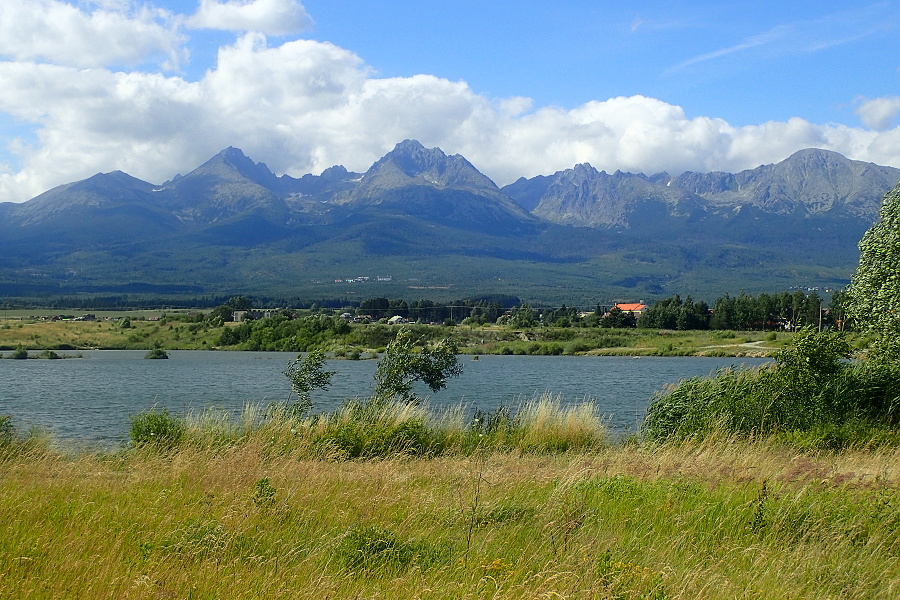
x=636, y=308
x=238, y=316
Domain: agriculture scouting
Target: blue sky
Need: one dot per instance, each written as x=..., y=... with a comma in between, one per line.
x=746, y=62
x=520, y=88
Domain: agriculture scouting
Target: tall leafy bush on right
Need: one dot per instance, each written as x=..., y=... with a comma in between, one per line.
x=811, y=389
x=874, y=293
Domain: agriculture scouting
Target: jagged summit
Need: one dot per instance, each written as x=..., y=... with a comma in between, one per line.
x=411, y=163
x=233, y=165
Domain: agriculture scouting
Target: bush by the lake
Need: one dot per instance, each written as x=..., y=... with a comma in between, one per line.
x=157, y=428
x=7, y=431
x=811, y=395
x=16, y=443
x=157, y=354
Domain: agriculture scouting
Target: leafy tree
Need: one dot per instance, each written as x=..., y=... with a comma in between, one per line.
x=306, y=373
x=377, y=307
x=221, y=314
x=874, y=293
x=522, y=317
x=838, y=309
x=723, y=314
x=617, y=318
x=403, y=364
x=239, y=303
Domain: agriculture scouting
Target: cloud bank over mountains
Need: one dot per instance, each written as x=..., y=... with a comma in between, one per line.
x=99, y=86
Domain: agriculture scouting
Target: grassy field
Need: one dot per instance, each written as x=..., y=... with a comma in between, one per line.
x=718, y=519
x=105, y=334
x=171, y=334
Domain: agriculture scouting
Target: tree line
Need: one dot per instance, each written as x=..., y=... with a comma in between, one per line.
x=765, y=312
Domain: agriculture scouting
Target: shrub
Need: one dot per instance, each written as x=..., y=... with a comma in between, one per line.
x=486, y=422
x=7, y=430
x=811, y=389
x=156, y=428
x=306, y=373
x=156, y=354
x=375, y=550
x=403, y=364
x=264, y=493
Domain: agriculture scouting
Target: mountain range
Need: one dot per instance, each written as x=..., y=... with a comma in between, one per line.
x=420, y=223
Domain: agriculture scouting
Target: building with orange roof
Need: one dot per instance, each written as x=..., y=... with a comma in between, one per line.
x=636, y=308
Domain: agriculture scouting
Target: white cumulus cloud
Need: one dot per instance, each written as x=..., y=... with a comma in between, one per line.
x=270, y=17
x=879, y=113
x=302, y=106
x=63, y=34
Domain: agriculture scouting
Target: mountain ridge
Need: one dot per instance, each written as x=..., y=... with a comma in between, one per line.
x=232, y=224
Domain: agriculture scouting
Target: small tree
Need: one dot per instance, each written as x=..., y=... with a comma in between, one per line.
x=403, y=364
x=874, y=293
x=306, y=373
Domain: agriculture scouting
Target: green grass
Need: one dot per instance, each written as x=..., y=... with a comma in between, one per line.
x=714, y=519
x=382, y=499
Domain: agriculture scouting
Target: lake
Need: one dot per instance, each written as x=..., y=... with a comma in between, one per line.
x=90, y=399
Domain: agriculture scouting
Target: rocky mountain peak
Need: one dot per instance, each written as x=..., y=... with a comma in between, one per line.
x=412, y=163
x=584, y=171
x=231, y=165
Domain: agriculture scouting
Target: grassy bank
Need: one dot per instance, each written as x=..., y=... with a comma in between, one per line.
x=365, y=340
x=714, y=519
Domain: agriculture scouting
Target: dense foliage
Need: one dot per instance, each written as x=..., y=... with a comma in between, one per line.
x=811, y=391
x=765, y=312
x=284, y=333
x=874, y=294
x=156, y=428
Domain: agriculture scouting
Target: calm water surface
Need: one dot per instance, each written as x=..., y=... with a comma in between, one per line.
x=90, y=399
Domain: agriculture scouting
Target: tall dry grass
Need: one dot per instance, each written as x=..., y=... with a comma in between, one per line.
x=373, y=429
x=720, y=518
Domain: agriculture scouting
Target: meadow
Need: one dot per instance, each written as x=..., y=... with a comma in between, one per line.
x=718, y=518
x=387, y=500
